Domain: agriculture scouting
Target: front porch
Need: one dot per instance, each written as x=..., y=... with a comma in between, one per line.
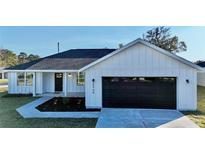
x=57, y=84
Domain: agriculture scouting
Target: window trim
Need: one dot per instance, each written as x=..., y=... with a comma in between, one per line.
x=24, y=79
x=82, y=78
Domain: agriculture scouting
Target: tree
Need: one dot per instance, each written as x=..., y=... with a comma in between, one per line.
x=32, y=57
x=11, y=59
x=161, y=37
x=199, y=61
x=7, y=58
x=22, y=58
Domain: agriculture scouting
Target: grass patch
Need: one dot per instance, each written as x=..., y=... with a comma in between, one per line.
x=3, y=81
x=199, y=116
x=3, y=91
x=9, y=118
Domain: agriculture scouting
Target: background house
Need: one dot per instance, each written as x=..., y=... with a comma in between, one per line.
x=201, y=75
x=3, y=74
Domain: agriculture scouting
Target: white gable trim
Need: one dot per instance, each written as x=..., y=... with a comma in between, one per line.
x=182, y=60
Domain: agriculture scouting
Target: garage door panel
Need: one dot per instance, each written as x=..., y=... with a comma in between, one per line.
x=119, y=86
x=139, y=92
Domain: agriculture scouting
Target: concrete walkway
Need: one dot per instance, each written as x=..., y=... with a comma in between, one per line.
x=115, y=118
x=143, y=118
x=29, y=111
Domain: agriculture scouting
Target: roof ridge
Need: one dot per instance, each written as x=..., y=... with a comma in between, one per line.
x=80, y=49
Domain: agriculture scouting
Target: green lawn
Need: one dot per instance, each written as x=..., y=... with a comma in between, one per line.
x=3, y=81
x=199, y=116
x=9, y=118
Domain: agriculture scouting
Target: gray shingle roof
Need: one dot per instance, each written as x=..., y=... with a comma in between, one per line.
x=73, y=59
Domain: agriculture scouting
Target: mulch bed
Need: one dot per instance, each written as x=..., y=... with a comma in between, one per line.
x=17, y=95
x=64, y=104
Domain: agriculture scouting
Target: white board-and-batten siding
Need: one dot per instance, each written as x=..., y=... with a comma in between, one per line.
x=72, y=87
x=142, y=61
x=45, y=83
x=13, y=88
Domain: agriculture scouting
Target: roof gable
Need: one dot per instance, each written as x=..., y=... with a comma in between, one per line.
x=162, y=51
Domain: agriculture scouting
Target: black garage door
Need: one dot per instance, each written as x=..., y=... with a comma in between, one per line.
x=139, y=92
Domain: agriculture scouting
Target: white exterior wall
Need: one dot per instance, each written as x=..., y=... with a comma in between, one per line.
x=39, y=83
x=48, y=82
x=201, y=79
x=140, y=60
x=45, y=82
x=13, y=88
x=74, y=89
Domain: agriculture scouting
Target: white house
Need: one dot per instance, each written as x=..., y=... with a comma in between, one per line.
x=3, y=74
x=201, y=75
x=138, y=75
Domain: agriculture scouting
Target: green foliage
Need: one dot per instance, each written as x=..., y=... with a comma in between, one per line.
x=9, y=58
x=161, y=37
x=32, y=57
x=199, y=116
x=22, y=58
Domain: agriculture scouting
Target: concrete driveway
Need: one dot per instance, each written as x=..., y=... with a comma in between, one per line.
x=143, y=118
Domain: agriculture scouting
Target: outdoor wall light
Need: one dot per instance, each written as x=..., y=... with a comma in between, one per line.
x=187, y=81
x=69, y=75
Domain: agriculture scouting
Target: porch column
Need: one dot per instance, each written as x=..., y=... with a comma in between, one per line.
x=34, y=84
x=65, y=84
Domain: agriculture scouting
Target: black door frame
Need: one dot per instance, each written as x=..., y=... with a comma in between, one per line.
x=61, y=87
x=176, y=84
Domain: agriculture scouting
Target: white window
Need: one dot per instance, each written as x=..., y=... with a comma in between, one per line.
x=29, y=79
x=24, y=79
x=80, y=79
x=20, y=79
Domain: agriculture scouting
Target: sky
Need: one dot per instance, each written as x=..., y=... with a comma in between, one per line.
x=42, y=40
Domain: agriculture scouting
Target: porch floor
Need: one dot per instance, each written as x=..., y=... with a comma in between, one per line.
x=61, y=94
x=52, y=94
